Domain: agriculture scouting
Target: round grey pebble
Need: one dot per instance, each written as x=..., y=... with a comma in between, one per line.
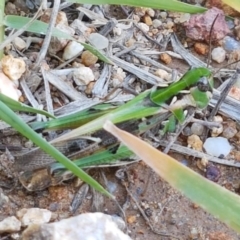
x=229, y=132
x=197, y=129
x=187, y=131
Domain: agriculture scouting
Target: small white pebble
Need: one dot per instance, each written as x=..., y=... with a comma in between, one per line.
x=217, y=146
x=194, y=233
x=150, y=12
x=8, y=88
x=163, y=15
x=29, y=216
x=184, y=17
x=218, y=54
x=80, y=26
x=9, y=225
x=98, y=41
x=157, y=23
x=19, y=43
x=163, y=74
x=72, y=49
x=117, y=31
x=216, y=131
x=169, y=24
x=144, y=27
x=83, y=76
x=116, y=82
x=217, y=118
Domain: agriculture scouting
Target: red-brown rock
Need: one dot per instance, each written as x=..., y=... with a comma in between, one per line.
x=199, y=26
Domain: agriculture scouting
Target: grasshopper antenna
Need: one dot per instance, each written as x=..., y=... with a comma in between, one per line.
x=210, y=41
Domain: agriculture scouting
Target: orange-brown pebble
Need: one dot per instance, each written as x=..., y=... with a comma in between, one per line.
x=147, y=19
x=165, y=58
x=195, y=206
x=140, y=231
x=236, y=155
x=238, y=136
x=21, y=99
x=219, y=236
x=58, y=193
x=201, y=48
x=89, y=88
x=234, y=93
x=88, y=58
x=131, y=219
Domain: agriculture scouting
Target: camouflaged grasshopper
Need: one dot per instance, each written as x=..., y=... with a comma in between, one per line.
x=197, y=82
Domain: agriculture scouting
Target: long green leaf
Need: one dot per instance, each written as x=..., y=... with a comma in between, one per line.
x=13, y=120
x=104, y=157
x=17, y=106
x=171, y=5
x=134, y=109
x=74, y=120
x=40, y=27
x=217, y=200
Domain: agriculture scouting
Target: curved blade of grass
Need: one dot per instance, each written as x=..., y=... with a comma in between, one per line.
x=134, y=109
x=17, y=106
x=74, y=120
x=13, y=120
x=233, y=3
x=40, y=27
x=215, y=199
x=171, y=5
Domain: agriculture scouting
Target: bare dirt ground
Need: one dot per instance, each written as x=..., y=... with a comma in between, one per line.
x=169, y=212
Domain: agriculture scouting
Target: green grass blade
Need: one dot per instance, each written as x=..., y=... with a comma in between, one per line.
x=17, y=106
x=171, y=5
x=40, y=27
x=74, y=120
x=96, y=53
x=13, y=120
x=104, y=157
x=134, y=109
x=215, y=199
x=37, y=26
